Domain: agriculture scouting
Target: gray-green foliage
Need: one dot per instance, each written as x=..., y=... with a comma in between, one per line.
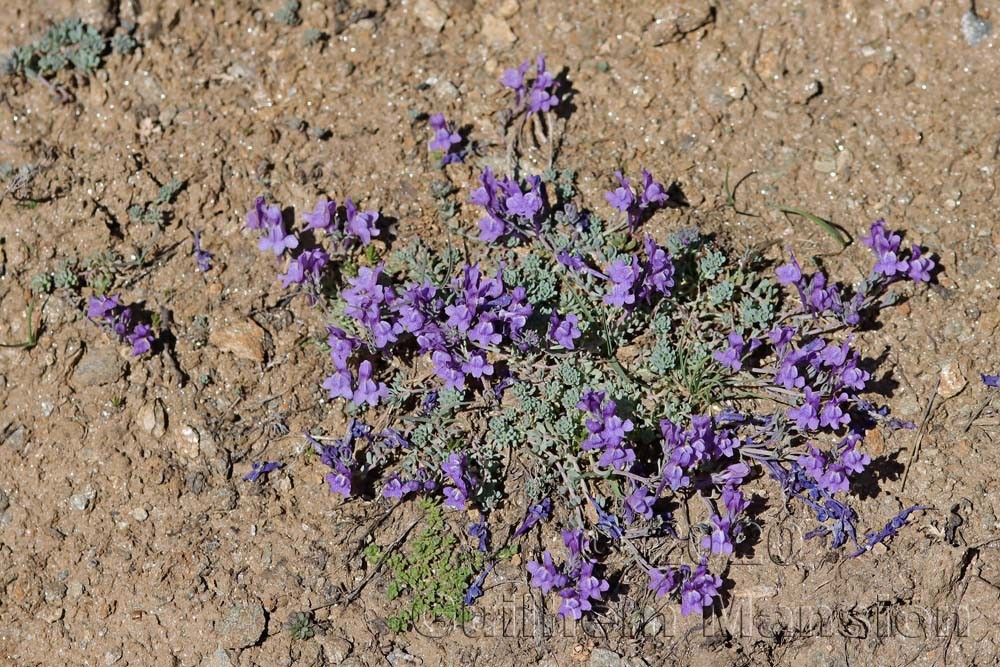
x=124, y=43
x=159, y=210
x=70, y=44
x=289, y=13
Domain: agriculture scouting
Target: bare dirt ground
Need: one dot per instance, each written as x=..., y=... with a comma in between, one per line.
x=132, y=540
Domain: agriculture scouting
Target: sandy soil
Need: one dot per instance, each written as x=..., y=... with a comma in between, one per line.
x=127, y=535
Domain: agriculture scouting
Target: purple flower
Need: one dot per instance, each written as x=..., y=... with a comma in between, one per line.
x=102, y=307
x=622, y=198
x=339, y=384
x=891, y=260
x=853, y=460
x=920, y=267
x=307, y=266
x=546, y=575
x=806, y=416
x=733, y=498
x=543, y=90
x=990, y=380
x=731, y=357
x=699, y=591
x=718, y=540
x=455, y=468
x=536, y=513
x=639, y=502
x=588, y=585
x=881, y=240
x=653, y=193
x=832, y=415
x=109, y=312
x=340, y=482
x=446, y=140
x=606, y=431
x=622, y=277
x=480, y=531
x=202, y=258
x=637, y=206
x=396, y=488
x=444, y=136
x=141, y=339
x=263, y=216
x=565, y=331
x=261, y=468
x=525, y=204
x=491, y=228
x=830, y=477
x=658, y=271
x=365, y=296
x=477, y=366
x=662, y=582
x=323, y=216
x=277, y=241
x=368, y=390
x=790, y=273
x=514, y=79
x=361, y=224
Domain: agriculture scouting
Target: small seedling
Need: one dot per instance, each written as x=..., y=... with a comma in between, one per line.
x=300, y=625
x=289, y=13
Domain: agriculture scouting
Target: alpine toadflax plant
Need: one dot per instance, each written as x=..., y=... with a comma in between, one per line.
x=592, y=377
x=119, y=319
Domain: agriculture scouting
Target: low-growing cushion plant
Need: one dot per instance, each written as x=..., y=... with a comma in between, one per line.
x=563, y=366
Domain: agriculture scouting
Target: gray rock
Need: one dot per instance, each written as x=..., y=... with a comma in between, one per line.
x=218, y=659
x=602, y=657
x=97, y=367
x=398, y=657
x=974, y=29
x=83, y=501
x=152, y=418
x=244, y=624
x=16, y=439
x=113, y=656
x=54, y=591
x=430, y=14
x=336, y=649
x=496, y=31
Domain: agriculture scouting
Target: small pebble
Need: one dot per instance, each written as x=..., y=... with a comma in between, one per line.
x=953, y=380
x=82, y=501
x=140, y=514
x=602, y=657
x=974, y=29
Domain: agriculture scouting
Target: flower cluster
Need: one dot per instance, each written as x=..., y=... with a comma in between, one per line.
x=535, y=96
x=460, y=481
x=447, y=141
x=457, y=327
x=575, y=581
x=697, y=589
x=603, y=365
x=345, y=229
x=607, y=431
x=892, y=264
x=637, y=205
x=685, y=452
x=631, y=281
x=109, y=312
x=356, y=454
x=511, y=210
